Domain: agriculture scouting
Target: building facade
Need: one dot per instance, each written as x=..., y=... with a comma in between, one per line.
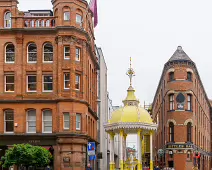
x=102, y=110
x=105, y=110
x=48, y=80
x=182, y=109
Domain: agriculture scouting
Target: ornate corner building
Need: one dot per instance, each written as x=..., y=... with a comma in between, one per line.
x=183, y=113
x=48, y=80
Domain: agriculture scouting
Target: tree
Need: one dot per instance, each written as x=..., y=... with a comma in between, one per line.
x=25, y=155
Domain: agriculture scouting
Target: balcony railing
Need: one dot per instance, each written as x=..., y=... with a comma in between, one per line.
x=39, y=22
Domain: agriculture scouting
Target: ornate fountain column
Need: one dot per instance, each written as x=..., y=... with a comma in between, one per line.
x=139, y=148
x=151, y=151
x=112, y=163
x=125, y=147
x=121, y=151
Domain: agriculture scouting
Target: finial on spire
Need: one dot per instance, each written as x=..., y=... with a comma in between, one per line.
x=130, y=72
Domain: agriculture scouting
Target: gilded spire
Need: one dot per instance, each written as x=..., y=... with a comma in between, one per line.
x=131, y=98
x=131, y=72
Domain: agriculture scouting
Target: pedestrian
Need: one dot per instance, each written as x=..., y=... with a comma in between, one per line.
x=157, y=168
x=89, y=167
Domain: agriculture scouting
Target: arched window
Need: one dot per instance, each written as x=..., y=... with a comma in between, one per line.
x=66, y=16
x=171, y=102
x=7, y=20
x=66, y=13
x=189, y=76
x=31, y=121
x=171, y=76
x=32, y=53
x=47, y=121
x=8, y=121
x=42, y=23
x=32, y=23
x=171, y=132
x=47, y=52
x=37, y=23
x=189, y=101
x=189, y=131
x=47, y=23
x=10, y=53
x=79, y=19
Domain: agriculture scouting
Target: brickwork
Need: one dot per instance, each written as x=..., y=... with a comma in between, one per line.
x=69, y=143
x=197, y=112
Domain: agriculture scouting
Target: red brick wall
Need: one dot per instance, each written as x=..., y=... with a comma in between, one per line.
x=78, y=101
x=199, y=116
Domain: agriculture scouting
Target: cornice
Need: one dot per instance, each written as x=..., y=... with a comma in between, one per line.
x=94, y=114
x=130, y=125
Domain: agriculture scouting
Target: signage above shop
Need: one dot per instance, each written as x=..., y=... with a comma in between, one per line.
x=179, y=146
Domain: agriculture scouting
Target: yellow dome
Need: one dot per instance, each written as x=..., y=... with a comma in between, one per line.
x=131, y=112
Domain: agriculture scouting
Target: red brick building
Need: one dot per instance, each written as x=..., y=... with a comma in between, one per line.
x=48, y=80
x=182, y=110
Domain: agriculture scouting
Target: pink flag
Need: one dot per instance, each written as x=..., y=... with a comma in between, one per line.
x=93, y=8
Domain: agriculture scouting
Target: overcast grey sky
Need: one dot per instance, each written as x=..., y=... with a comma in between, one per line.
x=149, y=31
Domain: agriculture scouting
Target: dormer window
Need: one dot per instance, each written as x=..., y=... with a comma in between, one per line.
x=7, y=20
x=171, y=76
x=189, y=76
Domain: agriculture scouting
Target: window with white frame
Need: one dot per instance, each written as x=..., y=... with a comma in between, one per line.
x=79, y=19
x=47, y=121
x=8, y=121
x=10, y=53
x=47, y=83
x=31, y=83
x=66, y=16
x=66, y=80
x=7, y=20
x=66, y=120
x=9, y=83
x=67, y=52
x=78, y=121
x=78, y=50
x=77, y=82
x=171, y=102
x=189, y=97
x=48, y=52
x=31, y=121
x=32, y=53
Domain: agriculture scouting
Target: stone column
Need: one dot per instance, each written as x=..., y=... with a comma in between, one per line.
x=121, y=151
x=112, y=163
x=139, y=150
x=151, y=151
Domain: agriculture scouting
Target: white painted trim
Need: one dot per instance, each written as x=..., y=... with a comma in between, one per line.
x=43, y=123
x=27, y=127
x=27, y=83
x=43, y=84
x=171, y=120
x=31, y=62
x=187, y=121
